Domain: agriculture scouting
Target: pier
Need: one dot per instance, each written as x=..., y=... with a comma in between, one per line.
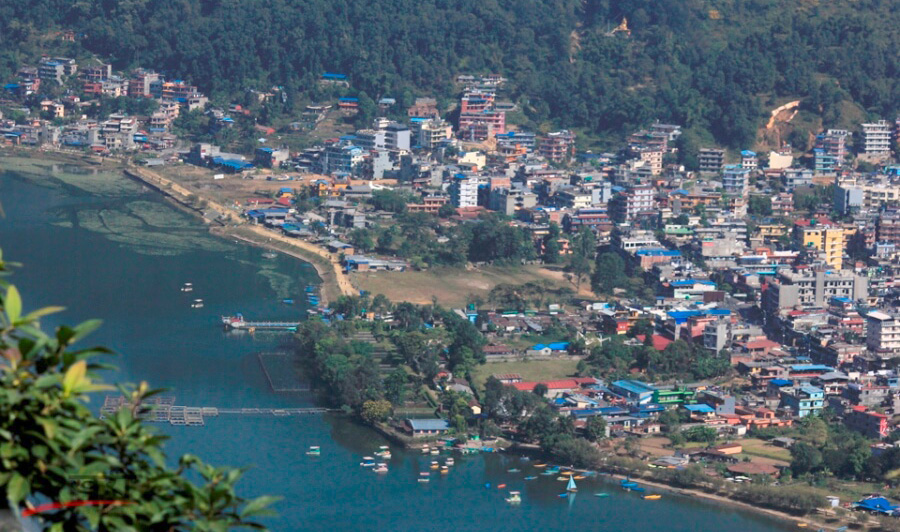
x=164, y=410
x=238, y=322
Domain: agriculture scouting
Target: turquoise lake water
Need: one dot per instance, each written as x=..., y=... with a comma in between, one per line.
x=107, y=248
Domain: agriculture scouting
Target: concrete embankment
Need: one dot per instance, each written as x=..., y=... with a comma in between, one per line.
x=334, y=281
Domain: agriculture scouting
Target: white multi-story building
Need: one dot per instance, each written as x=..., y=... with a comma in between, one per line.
x=883, y=333
x=735, y=179
x=876, y=138
x=464, y=191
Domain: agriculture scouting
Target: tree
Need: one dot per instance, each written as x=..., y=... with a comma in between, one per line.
x=583, y=246
x=701, y=434
x=760, y=205
x=51, y=437
x=395, y=386
x=609, y=273
x=577, y=452
x=376, y=411
x=540, y=389
x=595, y=429
x=804, y=458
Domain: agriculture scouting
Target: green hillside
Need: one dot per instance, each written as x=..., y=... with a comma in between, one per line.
x=715, y=66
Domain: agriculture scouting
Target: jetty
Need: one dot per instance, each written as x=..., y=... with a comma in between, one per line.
x=238, y=322
x=164, y=410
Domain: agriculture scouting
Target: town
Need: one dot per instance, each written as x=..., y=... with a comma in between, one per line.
x=671, y=310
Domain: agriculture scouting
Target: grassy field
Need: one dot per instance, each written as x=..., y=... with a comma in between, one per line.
x=453, y=287
x=762, y=448
x=529, y=370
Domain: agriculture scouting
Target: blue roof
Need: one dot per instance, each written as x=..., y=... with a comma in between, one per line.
x=681, y=191
x=811, y=367
x=334, y=75
x=657, y=253
x=781, y=382
x=691, y=282
x=429, y=424
x=348, y=99
x=11, y=86
x=812, y=390
x=700, y=409
x=558, y=346
x=681, y=316
x=635, y=387
x=748, y=153
x=265, y=149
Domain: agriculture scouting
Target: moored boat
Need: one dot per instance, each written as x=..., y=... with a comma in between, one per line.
x=514, y=497
x=571, y=487
x=653, y=497
x=530, y=478
x=314, y=450
x=602, y=494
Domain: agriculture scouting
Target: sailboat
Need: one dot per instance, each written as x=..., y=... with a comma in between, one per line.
x=571, y=487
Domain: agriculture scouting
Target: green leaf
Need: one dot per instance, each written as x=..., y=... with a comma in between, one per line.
x=17, y=488
x=84, y=328
x=74, y=377
x=13, y=304
x=260, y=506
x=35, y=314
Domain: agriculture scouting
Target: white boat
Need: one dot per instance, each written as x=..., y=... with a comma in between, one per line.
x=188, y=287
x=382, y=468
x=450, y=462
x=514, y=498
x=571, y=487
x=423, y=476
x=314, y=450
x=426, y=450
x=198, y=303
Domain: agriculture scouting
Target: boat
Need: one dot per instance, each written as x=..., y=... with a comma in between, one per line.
x=637, y=489
x=287, y=301
x=530, y=478
x=435, y=451
x=435, y=465
x=188, y=287
x=653, y=497
x=571, y=487
x=445, y=470
x=514, y=470
x=269, y=255
x=563, y=479
x=602, y=494
x=198, y=303
x=314, y=451
x=450, y=462
x=579, y=477
x=539, y=466
x=567, y=473
x=514, y=498
x=382, y=468
x=566, y=494
x=426, y=450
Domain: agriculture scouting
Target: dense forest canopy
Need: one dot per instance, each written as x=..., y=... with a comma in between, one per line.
x=715, y=66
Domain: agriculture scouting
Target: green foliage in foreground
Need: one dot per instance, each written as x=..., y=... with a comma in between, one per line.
x=52, y=448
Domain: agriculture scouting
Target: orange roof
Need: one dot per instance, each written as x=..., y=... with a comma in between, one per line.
x=660, y=343
x=565, y=384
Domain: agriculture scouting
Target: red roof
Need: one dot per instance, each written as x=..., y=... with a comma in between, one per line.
x=660, y=343
x=565, y=384
x=761, y=344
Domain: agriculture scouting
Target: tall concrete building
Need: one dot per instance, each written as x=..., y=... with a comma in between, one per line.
x=876, y=139
x=883, y=334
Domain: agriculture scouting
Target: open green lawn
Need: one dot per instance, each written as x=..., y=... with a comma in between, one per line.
x=757, y=447
x=453, y=287
x=530, y=370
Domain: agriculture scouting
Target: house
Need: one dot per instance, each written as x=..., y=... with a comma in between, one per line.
x=872, y=424
x=634, y=391
x=507, y=378
x=427, y=427
x=803, y=400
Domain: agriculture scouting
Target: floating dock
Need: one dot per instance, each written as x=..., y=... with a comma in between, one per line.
x=238, y=322
x=163, y=410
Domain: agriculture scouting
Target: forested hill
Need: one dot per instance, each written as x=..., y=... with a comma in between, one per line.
x=713, y=65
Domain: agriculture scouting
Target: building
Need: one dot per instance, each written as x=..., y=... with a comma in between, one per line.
x=397, y=137
x=635, y=392
x=806, y=288
x=424, y=108
x=509, y=201
x=557, y=146
x=797, y=177
x=478, y=120
x=632, y=203
x=269, y=157
x=341, y=157
x=427, y=427
x=802, y=401
x=871, y=424
x=429, y=133
x=883, y=334
x=830, y=150
x=510, y=139
x=711, y=159
x=56, y=69
x=749, y=160
x=848, y=198
x=876, y=139
x=735, y=179
x=464, y=191
x=889, y=227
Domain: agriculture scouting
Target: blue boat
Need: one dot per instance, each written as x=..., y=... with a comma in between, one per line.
x=563, y=495
x=530, y=478
x=287, y=301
